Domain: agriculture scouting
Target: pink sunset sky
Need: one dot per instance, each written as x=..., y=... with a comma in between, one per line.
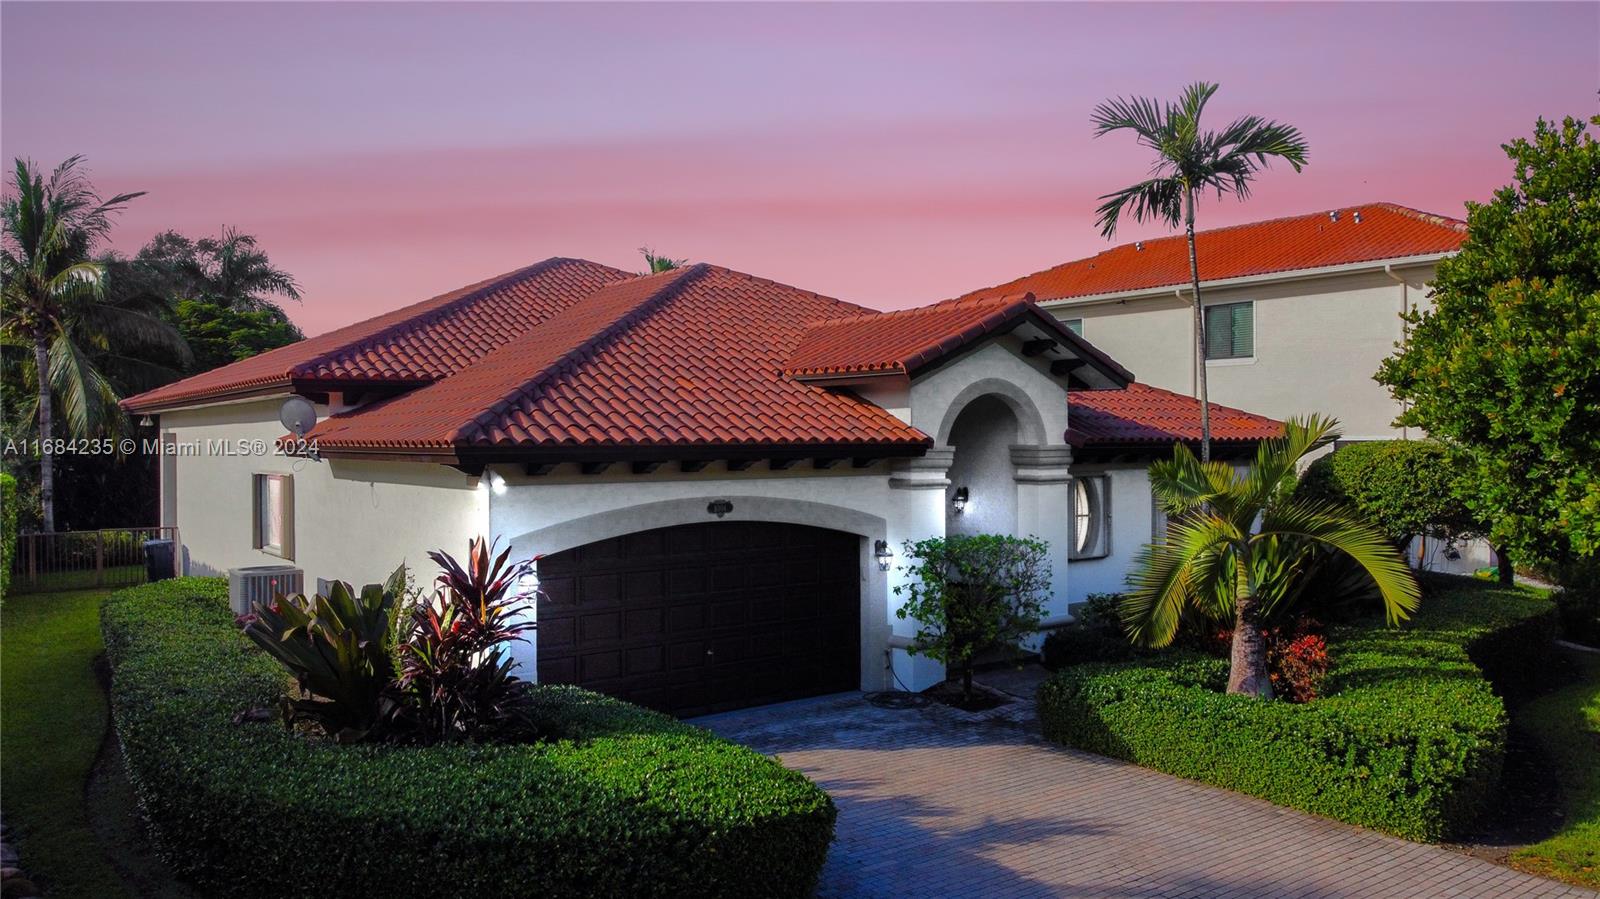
x=886, y=154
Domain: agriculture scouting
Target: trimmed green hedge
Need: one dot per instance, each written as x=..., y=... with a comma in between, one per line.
x=1409, y=737
x=628, y=803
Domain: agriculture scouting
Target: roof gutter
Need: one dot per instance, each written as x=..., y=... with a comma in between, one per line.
x=1302, y=274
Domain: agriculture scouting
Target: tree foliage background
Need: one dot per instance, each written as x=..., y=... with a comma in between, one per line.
x=1506, y=365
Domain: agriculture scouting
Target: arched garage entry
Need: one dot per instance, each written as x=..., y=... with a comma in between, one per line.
x=704, y=617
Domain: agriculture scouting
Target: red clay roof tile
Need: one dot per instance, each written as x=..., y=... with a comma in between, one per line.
x=415, y=344
x=907, y=339
x=1141, y=414
x=1361, y=234
x=684, y=358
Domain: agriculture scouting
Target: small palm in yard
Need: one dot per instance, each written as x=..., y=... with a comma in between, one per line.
x=1236, y=543
x=1188, y=161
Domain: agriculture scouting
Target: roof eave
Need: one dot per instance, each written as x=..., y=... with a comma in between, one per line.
x=1289, y=275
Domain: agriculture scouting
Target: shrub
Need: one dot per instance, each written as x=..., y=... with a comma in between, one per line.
x=1298, y=666
x=973, y=593
x=1408, y=738
x=8, y=529
x=1094, y=635
x=455, y=674
x=1405, y=487
x=628, y=803
x=338, y=648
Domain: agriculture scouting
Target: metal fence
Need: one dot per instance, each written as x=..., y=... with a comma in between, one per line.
x=79, y=560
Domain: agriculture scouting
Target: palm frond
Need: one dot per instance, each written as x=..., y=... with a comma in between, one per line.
x=89, y=404
x=1338, y=529
x=1163, y=582
x=1155, y=199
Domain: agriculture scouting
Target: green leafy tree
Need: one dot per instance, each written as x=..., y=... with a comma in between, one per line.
x=1190, y=160
x=219, y=335
x=56, y=303
x=1237, y=543
x=973, y=593
x=1405, y=487
x=1505, y=365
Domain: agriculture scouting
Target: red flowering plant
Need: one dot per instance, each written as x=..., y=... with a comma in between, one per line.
x=455, y=665
x=1298, y=666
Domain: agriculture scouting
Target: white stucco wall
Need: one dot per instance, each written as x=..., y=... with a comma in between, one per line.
x=353, y=521
x=982, y=437
x=1318, y=342
x=1132, y=524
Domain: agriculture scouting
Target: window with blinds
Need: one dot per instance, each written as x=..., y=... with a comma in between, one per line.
x=1231, y=331
x=273, y=511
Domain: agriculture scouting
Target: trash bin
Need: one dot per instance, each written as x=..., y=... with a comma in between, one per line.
x=158, y=557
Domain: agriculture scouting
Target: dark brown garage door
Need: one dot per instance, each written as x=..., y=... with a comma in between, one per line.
x=703, y=618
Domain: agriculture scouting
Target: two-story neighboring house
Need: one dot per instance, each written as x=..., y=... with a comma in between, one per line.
x=1299, y=311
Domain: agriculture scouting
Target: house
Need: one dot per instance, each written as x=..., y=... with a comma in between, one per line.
x=1299, y=311
x=719, y=470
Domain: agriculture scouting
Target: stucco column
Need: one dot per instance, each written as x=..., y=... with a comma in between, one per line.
x=918, y=512
x=1044, y=504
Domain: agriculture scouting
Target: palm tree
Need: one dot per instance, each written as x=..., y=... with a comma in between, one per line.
x=1189, y=161
x=233, y=272
x=1237, y=542
x=56, y=303
x=659, y=263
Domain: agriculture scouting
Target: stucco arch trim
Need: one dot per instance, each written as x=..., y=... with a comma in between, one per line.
x=1030, y=422
x=577, y=532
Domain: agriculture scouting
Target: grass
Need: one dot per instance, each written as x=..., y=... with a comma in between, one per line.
x=53, y=717
x=1566, y=724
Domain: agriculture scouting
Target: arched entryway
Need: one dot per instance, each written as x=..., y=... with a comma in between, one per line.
x=982, y=497
x=704, y=617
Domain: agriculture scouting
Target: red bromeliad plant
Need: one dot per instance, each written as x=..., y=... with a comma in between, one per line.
x=455, y=668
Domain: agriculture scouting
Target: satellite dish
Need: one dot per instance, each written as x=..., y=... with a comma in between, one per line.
x=298, y=415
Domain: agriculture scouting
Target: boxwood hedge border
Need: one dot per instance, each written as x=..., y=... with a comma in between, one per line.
x=1409, y=737
x=627, y=803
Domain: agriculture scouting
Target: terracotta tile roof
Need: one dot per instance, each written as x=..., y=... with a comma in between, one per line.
x=905, y=340
x=415, y=344
x=1384, y=231
x=685, y=358
x=1141, y=414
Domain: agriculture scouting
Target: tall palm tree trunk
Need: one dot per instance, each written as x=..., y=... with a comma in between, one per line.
x=47, y=468
x=1199, y=332
x=1247, y=669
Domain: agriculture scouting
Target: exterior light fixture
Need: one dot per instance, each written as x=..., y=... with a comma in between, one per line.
x=529, y=581
x=884, y=555
x=719, y=507
x=959, y=501
x=146, y=422
x=497, y=483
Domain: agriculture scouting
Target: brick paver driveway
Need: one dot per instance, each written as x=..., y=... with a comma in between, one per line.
x=933, y=802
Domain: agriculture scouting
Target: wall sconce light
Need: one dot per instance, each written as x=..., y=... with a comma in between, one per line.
x=497, y=483
x=959, y=501
x=529, y=581
x=147, y=422
x=884, y=555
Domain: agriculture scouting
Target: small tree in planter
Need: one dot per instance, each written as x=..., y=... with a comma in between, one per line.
x=972, y=593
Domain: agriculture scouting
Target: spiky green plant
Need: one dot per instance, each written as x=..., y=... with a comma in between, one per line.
x=1238, y=540
x=339, y=648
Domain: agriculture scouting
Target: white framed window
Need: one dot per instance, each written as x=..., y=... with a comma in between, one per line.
x=1091, y=517
x=1075, y=325
x=1231, y=331
x=273, y=514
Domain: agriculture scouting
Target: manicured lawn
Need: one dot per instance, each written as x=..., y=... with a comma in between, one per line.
x=1566, y=724
x=53, y=717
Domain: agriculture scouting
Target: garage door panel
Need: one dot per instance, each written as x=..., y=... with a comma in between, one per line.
x=705, y=617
